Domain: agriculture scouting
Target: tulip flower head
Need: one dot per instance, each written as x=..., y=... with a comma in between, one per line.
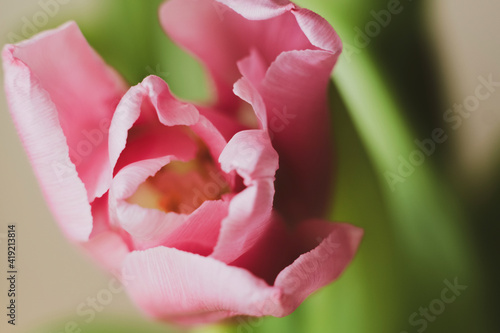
x=206, y=212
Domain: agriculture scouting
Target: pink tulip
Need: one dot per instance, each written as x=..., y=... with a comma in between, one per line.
x=186, y=203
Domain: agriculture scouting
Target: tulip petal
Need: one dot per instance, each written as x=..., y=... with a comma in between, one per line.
x=150, y=113
x=259, y=9
x=197, y=232
x=220, y=37
x=154, y=112
x=147, y=227
x=226, y=125
x=246, y=222
x=251, y=155
x=319, y=32
x=84, y=91
x=109, y=249
x=275, y=239
x=187, y=288
x=200, y=232
x=295, y=94
x=61, y=97
x=247, y=92
x=321, y=265
x=184, y=287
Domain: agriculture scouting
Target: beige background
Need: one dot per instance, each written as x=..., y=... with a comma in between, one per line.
x=55, y=277
x=466, y=35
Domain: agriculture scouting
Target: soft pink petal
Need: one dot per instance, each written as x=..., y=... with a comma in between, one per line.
x=299, y=48
x=197, y=232
x=150, y=141
x=226, y=125
x=59, y=92
x=84, y=91
x=246, y=222
x=247, y=92
x=152, y=108
x=251, y=155
x=200, y=232
x=147, y=227
x=253, y=67
x=274, y=250
x=220, y=37
x=320, y=266
x=109, y=249
x=211, y=137
x=184, y=287
x=295, y=93
x=259, y=9
x=319, y=32
x=171, y=111
x=187, y=288
x=199, y=27
x=148, y=114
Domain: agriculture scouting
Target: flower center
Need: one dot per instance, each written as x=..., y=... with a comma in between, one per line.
x=181, y=187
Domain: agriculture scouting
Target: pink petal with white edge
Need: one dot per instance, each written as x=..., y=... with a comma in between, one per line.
x=220, y=37
x=153, y=97
x=259, y=9
x=246, y=222
x=320, y=266
x=147, y=227
x=247, y=92
x=187, y=288
x=251, y=155
x=319, y=32
x=61, y=103
x=85, y=92
x=150, y=113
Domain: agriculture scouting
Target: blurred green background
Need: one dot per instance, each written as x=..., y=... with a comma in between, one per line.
x=391, y=87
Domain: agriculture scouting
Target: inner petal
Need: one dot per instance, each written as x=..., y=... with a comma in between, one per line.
x=181, y=187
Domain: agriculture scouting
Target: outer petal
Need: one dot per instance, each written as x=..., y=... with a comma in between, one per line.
x=174, y=285
x=187, y=288
x=106, y=245
x=61, y=97
x=320, y=266
x=85, y=92
x=259, y=9
x=295, y=94
x=319, y=32
x=220, y=37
